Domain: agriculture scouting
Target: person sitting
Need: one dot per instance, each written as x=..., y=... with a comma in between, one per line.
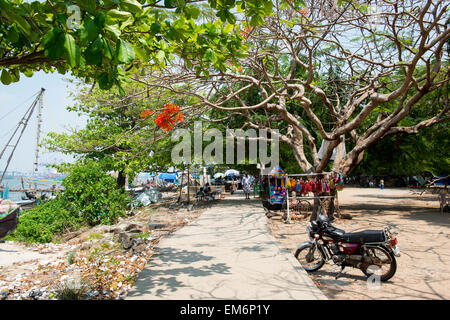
x=200, y=194
x=208, y=193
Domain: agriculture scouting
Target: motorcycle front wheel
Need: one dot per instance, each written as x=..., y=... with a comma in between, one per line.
x=383, y=263
x=310, y=257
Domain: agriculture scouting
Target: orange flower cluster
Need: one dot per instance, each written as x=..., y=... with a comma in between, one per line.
x=246, y=31
x=304, y=11
x=170, y=116
x=146, y=113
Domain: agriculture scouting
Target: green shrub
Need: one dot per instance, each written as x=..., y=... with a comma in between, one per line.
x=90, y=197
x=94, y=194
x=43, y=222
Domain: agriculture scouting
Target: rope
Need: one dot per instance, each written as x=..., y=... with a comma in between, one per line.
x=17, y=106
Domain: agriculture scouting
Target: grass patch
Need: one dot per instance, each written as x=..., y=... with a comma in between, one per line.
x=73, y=290
x=95, y=235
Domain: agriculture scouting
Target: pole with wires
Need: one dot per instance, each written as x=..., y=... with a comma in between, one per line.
x=39, y=121
x=23, y=122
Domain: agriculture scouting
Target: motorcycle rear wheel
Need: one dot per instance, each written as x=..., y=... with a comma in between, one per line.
x=316, y=255
x=381, y=256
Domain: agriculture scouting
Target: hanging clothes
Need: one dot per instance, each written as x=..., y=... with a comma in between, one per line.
x=298, y=186
x=316, y=187
x=332, y=184
x=309, y=186
x=293, y=183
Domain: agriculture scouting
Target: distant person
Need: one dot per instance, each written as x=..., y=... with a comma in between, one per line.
x=208, y=192
x=382, y=184
x=200, y=194
x=246, y=186
x=234, y=185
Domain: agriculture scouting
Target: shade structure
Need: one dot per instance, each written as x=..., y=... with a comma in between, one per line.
x=231, y=172
x=277, y=171
x=168, y=176
x=219, y=175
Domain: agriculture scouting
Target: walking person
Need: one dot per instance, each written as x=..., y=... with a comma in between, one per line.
x=247, y=186
x=234, y=184
x=382, y=184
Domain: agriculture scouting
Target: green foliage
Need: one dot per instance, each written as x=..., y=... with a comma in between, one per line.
x=115, y=134
x=43, y=222
x=409, y=154
x=93, y=194
x=90, y=197
x=71, y=257
x=101, y=39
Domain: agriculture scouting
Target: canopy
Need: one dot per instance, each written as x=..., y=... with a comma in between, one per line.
x=146, y=174
x=219, y=175
x=277, y=171
x=168, y=176
x=231, y=172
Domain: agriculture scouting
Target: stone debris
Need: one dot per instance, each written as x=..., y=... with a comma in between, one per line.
x=109, y=263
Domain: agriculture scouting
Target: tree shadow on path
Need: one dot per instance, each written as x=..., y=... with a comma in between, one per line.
x=161, y=275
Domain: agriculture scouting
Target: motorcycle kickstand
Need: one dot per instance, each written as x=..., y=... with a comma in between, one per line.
x=339, y=273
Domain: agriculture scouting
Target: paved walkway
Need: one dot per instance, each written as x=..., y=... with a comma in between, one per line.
x=227, y=253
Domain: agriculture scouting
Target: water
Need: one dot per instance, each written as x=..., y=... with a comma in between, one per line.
x=16, y=183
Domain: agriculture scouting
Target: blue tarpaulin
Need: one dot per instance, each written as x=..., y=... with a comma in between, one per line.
x=168, y=176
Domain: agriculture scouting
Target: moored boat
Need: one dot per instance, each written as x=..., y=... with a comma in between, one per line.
x=9, y=222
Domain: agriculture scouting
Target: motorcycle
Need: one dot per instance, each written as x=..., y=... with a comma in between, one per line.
x=371, y=251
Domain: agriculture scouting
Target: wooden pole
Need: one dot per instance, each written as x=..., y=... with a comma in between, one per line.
x=181, y=187
x=288, y=220
x=188, y=193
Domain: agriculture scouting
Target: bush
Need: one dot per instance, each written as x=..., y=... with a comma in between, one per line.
x=41, y=223
x=90, y=197
x=91, y=192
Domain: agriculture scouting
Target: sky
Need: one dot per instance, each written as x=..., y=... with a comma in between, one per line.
x=15, y=99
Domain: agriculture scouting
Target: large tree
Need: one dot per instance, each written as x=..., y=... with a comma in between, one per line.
x=329, y=71
x=124, y=134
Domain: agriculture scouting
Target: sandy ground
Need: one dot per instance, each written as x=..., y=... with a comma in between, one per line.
x=423, y=234
x=16, y=253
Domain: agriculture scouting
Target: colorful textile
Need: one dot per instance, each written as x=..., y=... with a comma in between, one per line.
x=247, y=184
x=293, y=183
x=298, y=186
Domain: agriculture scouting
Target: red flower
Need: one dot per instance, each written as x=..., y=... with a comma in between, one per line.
x=170, y=116
x=304, y=11
x=145, y=114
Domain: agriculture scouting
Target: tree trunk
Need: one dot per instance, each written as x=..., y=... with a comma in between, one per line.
x=350, y=162
x=121, y=179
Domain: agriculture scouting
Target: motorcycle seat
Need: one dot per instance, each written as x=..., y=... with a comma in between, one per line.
x=365, y=236
x=333, y=231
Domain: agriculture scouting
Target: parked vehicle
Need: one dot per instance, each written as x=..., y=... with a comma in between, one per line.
x=273, y=189
x=371, y=251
